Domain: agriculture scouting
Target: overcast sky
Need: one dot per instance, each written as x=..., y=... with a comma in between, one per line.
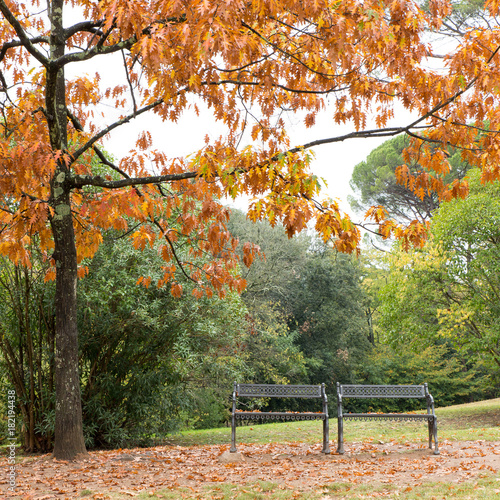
x=333, y=162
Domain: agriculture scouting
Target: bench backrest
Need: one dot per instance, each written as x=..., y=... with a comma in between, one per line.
x=278, y=391
x=382, y=391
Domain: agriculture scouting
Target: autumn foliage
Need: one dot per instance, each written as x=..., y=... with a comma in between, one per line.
x=241, y=60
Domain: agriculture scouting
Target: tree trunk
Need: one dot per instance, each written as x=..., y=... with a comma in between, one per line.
x=69, y=441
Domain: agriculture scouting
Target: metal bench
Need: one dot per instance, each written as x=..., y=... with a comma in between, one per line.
x=279, y=391
x=386, y=391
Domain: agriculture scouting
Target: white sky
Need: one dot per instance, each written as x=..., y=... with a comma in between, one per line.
x=333, y=162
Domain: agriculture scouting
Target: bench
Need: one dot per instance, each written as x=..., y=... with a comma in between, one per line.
x=386, y=391
x=279, y=391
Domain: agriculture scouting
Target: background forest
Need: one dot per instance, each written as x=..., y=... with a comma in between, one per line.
x=152, y=364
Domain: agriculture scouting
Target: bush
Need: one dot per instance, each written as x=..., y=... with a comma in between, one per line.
x=449, y=381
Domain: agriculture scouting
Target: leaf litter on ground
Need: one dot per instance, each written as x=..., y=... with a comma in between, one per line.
x=294, y=466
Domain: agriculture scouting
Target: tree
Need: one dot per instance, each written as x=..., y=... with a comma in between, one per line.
x=449, y=382
x=271, y=276
x=468, y=234
x=144, y=354
x=374, y=182
x=242, y=60
x=448, y=290
x=27, y=344
x=326, y=300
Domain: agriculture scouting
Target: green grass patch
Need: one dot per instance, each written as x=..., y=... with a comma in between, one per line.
x=486, y=487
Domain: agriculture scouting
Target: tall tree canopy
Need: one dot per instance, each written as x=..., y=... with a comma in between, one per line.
x=374, y=182
x=450, y=288
x=248, y=62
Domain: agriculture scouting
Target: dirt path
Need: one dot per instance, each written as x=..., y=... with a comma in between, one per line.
x=297, y=465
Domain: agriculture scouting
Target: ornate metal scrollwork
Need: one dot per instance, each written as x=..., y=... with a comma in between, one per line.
x=388, y=416
x=278, y=416
x=383, y=391
x=278, y=391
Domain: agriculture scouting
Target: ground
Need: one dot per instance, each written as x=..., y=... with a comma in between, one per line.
x=297, y=466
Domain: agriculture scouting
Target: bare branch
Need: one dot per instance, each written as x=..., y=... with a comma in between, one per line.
x=129, y=82
x=78, y=126
x=90, y=143
x=23, y=37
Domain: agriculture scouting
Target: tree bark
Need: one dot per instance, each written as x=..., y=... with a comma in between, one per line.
x=69, y=441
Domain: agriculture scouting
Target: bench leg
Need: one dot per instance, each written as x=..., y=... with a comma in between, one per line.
x=340, y=446
x=326, y=436
x=233, y=435
x=430, y=425
x=435, y=432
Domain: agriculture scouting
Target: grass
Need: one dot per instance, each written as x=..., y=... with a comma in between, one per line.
x=480, y=420
x=485, y=488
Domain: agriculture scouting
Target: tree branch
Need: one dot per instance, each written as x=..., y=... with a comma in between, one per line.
x=18, y=43
x=78, y=126
x=23, y=37
x=95, y=51
x=90, y=143
x=80, y=181
x=88, y=26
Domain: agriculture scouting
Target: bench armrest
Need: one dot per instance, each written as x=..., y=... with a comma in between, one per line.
x=430, y=400
x=234, y=398
x=325, y=399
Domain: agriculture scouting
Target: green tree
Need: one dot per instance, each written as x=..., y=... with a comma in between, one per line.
x=450, y=382
x=316, y=291
x=468, y=231
x=374, y=182
x=27, y=345
x=413, y=292
x=326, y=300
x=146, y=356
x=271, y=275
x=449, y=290
x=271, y=345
